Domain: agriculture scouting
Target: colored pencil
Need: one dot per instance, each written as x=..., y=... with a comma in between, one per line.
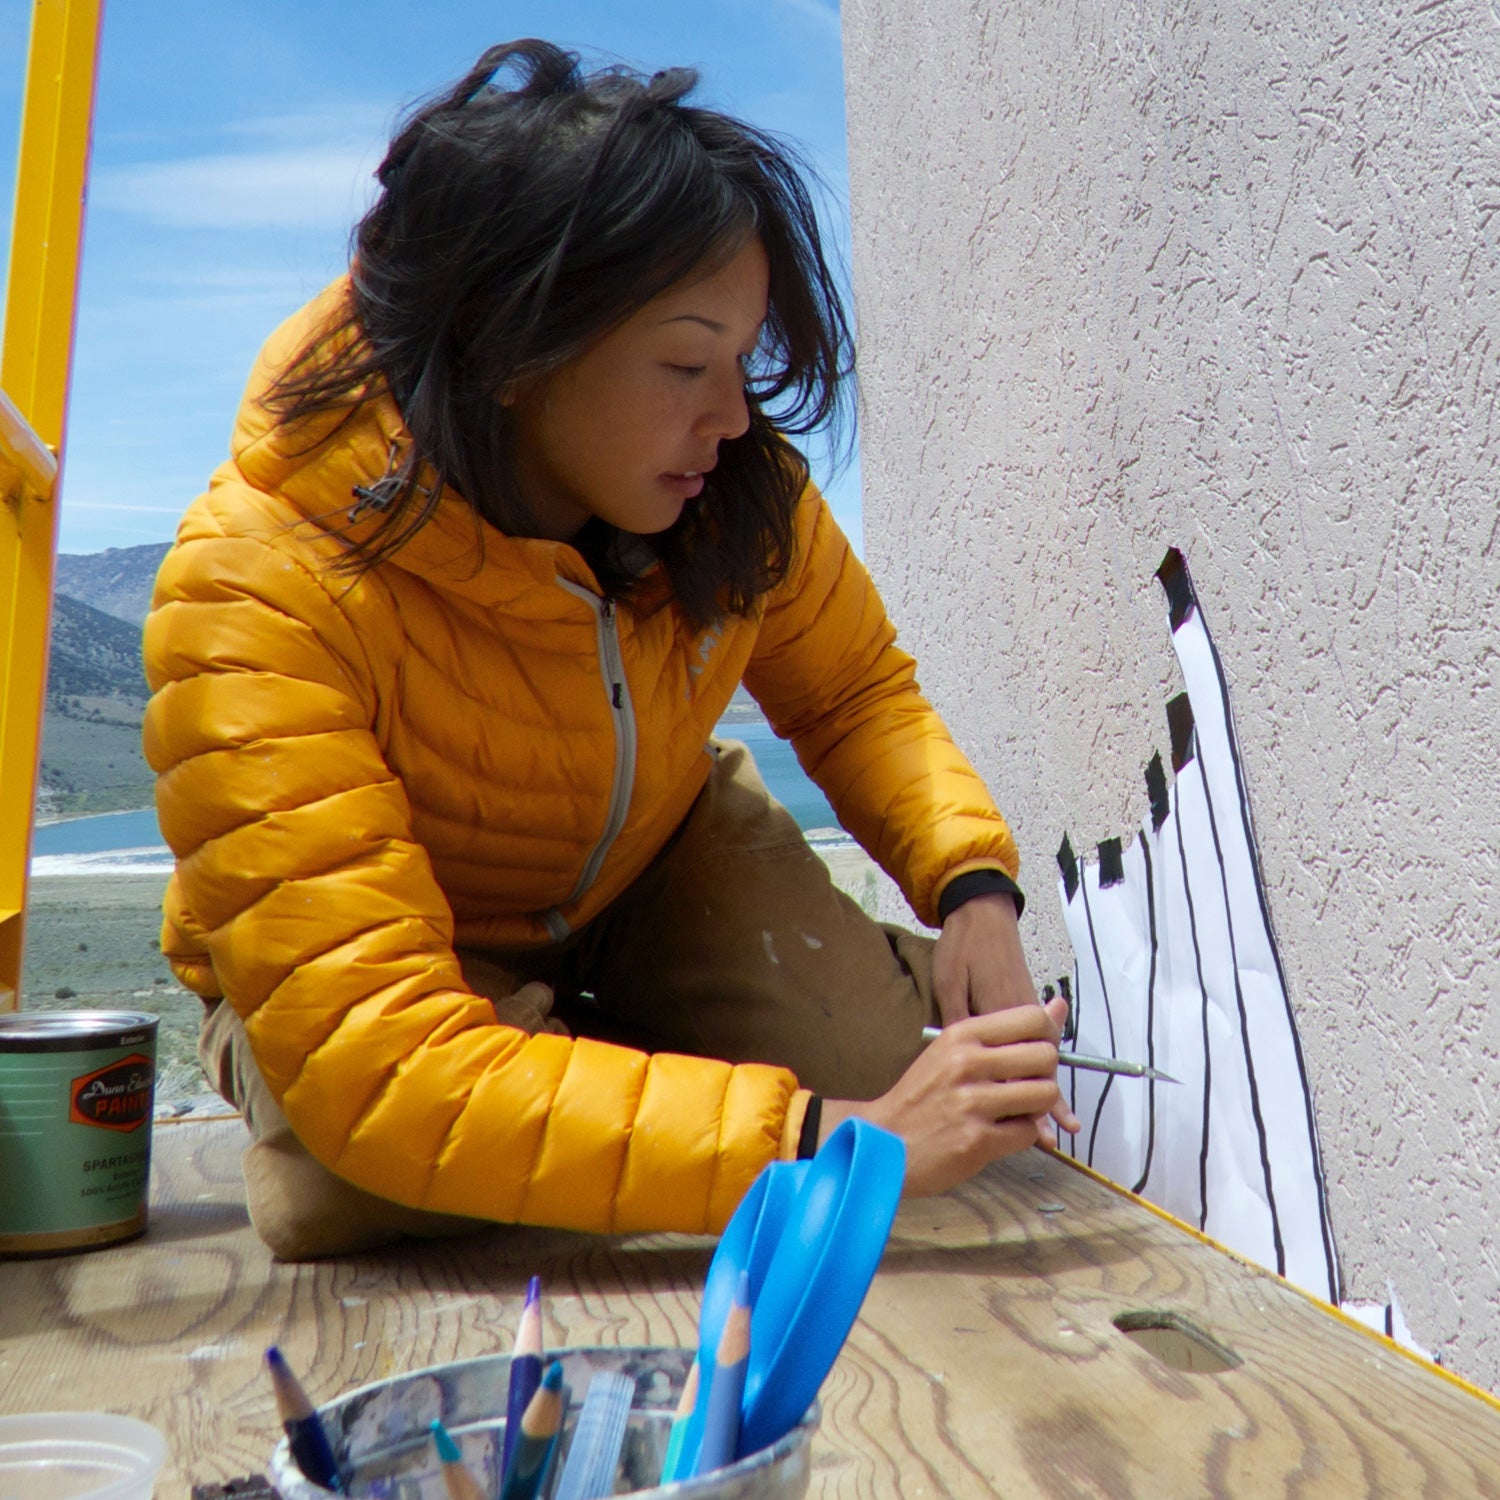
x=304, y=1430
x=685, y=1404
x=726, y=1388
x=538, y=1438
x=525, y=1368
x=457, y=1480
x=588, y=1473
x=1084, y=1061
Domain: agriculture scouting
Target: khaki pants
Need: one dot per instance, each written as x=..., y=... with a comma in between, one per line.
x=733, y=944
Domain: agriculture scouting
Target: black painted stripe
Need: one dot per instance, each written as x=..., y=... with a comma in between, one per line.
x=1330, y=1253
x=1150, y=1015
x=1109, y=1021
x=1239, y=1000
x=1208, y=1065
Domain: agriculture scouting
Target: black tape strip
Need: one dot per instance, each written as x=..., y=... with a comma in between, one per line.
x=1111, y=864
x=1067, y=862
x=1180, y=727
x=1173, y=574
x=1156, y=790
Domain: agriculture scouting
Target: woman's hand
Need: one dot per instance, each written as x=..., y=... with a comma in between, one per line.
x=978, y=965
x=981, y=1091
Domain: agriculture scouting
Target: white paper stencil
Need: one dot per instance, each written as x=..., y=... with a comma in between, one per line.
x=1177, y=967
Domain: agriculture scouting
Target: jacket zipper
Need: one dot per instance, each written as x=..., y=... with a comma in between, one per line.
x=622, y=713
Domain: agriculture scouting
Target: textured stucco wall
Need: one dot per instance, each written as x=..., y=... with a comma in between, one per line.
x=1226, y=277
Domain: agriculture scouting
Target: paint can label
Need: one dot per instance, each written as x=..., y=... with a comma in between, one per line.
x=76, y=1094
x=116, y=1096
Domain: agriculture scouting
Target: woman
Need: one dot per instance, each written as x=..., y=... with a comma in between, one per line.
x=488, y=925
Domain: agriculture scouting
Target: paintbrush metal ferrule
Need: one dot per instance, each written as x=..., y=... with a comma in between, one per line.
x=1082, y=1060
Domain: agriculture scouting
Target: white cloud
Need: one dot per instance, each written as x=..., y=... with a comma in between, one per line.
x=133, y=510
x=317, y=187
x=823, y=15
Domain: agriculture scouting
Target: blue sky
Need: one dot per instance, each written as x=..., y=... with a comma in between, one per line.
x=233, y=142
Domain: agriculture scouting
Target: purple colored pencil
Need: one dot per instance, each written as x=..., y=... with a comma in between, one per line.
x=525, y=1368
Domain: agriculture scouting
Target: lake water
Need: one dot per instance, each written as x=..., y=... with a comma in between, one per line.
x=131, y=842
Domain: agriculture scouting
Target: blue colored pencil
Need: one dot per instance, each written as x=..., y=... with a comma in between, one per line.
x=537, y=1440
x=672, y=1459
x=304, y=1431
x=525, y=1368
x=457, y=1480
x=726, y=1388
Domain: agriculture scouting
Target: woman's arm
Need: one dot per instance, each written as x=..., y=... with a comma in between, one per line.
x=829, y=675
x=321, y=921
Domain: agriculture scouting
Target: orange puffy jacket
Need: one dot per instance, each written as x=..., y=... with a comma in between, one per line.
x=342, y=780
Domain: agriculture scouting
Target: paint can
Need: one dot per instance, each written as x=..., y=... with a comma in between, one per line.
x=76, y=1092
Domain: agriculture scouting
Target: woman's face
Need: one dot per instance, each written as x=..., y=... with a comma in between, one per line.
x=627, y=431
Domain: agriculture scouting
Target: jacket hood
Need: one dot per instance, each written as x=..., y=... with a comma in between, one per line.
x=316, y=465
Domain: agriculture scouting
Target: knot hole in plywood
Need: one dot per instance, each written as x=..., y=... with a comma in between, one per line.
x=1177, y=1342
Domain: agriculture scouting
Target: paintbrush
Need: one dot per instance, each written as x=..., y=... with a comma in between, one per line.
x=1088, y=1064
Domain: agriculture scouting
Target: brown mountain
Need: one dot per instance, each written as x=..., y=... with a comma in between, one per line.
x=117, y=581
x=96, y=695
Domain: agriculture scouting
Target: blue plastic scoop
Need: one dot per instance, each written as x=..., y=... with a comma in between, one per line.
x=809, y=1235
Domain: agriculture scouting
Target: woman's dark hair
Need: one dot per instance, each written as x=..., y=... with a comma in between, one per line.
x=519, y=221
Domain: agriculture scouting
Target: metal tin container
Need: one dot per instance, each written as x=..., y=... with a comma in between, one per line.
x=76, y=1094
x=381, y=1434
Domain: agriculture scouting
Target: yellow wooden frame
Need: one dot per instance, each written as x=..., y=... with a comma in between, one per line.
x=36, y=361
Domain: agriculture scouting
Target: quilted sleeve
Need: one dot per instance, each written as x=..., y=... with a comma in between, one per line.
x=828, y=673
x=301, y=896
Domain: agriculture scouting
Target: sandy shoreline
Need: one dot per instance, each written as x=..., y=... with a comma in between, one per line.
x=96, y=936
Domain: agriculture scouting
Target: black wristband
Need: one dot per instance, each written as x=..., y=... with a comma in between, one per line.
x=979, y=883
x=807, y=1141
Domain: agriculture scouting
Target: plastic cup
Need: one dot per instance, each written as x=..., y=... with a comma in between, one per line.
x=78, y=1455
